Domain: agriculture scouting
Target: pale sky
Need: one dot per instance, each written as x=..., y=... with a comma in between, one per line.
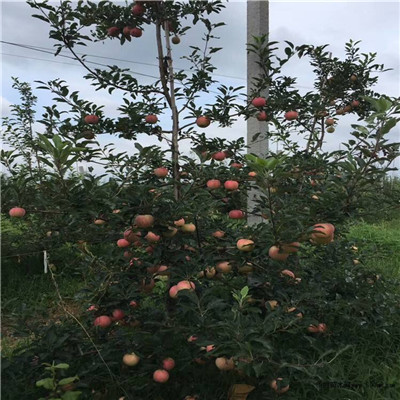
x=375, y=23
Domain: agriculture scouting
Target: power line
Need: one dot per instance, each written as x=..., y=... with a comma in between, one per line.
x=50, y=51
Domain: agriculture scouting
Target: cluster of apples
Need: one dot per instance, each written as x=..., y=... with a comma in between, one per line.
x=104, y=321
x=260, y=102
x=228, y=185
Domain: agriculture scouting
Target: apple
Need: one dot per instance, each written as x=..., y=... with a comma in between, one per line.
x=127, y=30
x=331, y=129
x=118, y=314
x=273, y=304
x=113, y=31
x=355, y=103
x=203, y=121
x=188, y=228
x=322, y=233
x=278, y=389
x=213, y=184
x=259, y=102
x=144, y=221
x=262, y=116
x=88, y=135
x=348, y=108
x=252, y=174
x=160, y=376
x=192, y=338
x=236, y=165
x=17, y=212
x=340, y=111
x=218, y=234
x=103, y=321
x=123, y=243
x=130, y=359
x=136, y=32
x=185, y=285
x=209, y=347
x=322, y=328
x=92, y=119
x=329, y=121
x=276, y=254
x=163, y=270
x=173, y=292
x=289, y=273
x=290, y=247
x=133, y=304
x=151, y=119
x=131, y=236
x=231, y=185
x=353, y=78
x=168, y=363
x=245, y=245
x=236, y=214
x=161, y=172
x=224, y=364
x=291, y=115
x=224, y=266
x=176, y=40
x=219, y=156
x=179, y=222
x=138, y=10
x=210, y=272
x=99, y=221
x=152, y=237
x=92, y=308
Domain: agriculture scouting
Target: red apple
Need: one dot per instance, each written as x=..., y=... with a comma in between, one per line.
x=118, y=314
x=322, y=233
x=148, y=286
x=224, y=267
x=103, y=321
x=144, y=221
x=160, y=376
x=113, y=31
x=353, y=78
x=131, y=236
x=168, y=363
x=136, y=32
x=330, y=121
x=322, y=328
x=355, y=103
x=313, y=329
x=291, y=115
x=17, y=212
x=259, y=102
x=138, y=10
x=99, y=221
x=289, y=273
x=192, y=338
x=262, y=116
x=176, y=40
x=152, y=237
x=127, y=30
x=130, y=359
x=133, y=304
x=151, y=119
x=252, y=174
x=236, y=214
x=245, y=245
x=236, y=165
x=173, y=292
x=203, y=121
x=161, y=172
x=179, y=222
x=219, y=156
x=185, y=285
x=276, y=254
x=213, y=184
x=231, y=185
x=123, y=243
x=92, y=119
x=218, y=234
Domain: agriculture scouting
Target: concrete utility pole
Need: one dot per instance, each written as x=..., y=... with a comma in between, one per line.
x=257, y=25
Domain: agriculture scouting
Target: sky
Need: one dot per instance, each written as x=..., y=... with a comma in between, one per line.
x=375, y=23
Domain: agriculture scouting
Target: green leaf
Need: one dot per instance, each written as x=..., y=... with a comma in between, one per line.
x=47, y=383
x=391, y=123
x=62, y=366
x=71, y=379
x=244, y=292
x=71, y=395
